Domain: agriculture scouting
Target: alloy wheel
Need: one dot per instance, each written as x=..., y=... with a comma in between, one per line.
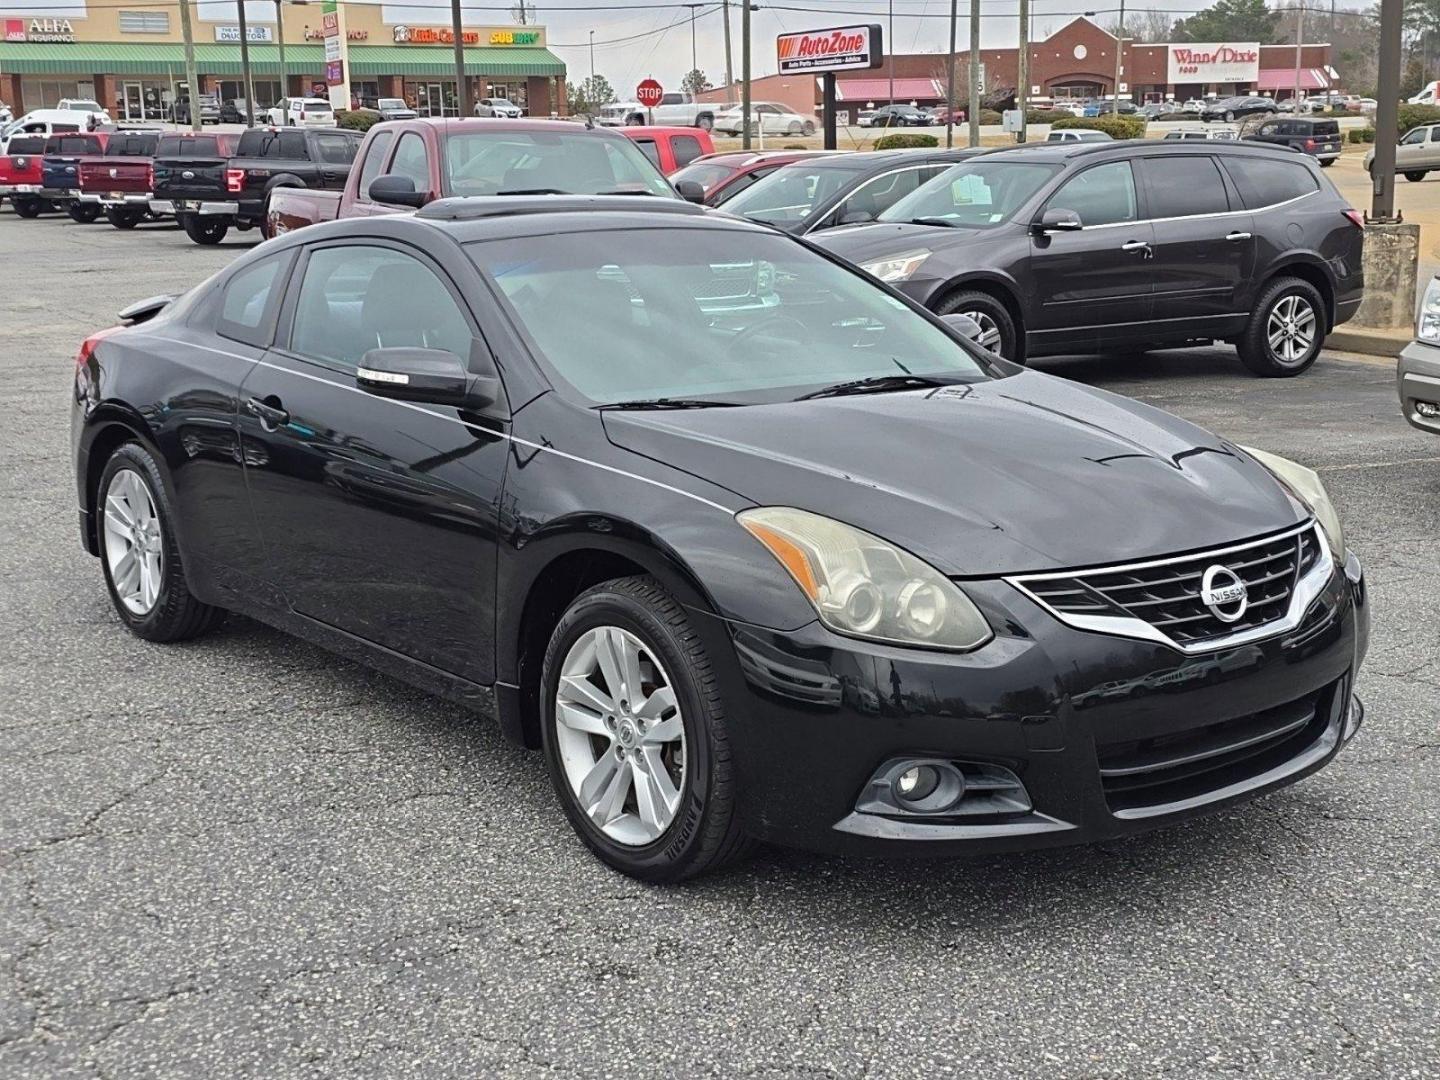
x=989, y=330
x=134, y=542
x=620, y=736
x=1291, y=329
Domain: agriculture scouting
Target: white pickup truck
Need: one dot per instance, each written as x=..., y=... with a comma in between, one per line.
x=674, y=110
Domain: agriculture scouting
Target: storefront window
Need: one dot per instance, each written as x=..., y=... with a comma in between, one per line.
x=42, y=93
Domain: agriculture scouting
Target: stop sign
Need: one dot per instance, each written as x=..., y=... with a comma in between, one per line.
x=649, y=93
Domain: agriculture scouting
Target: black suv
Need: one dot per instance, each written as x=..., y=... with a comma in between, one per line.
x=1095, y=247
x=1311, y=135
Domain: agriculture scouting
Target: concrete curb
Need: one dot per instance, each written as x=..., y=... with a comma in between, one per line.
x=1368, y=342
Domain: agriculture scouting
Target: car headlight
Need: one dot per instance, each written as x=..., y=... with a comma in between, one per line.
x=865, y=587
x=897, y=267
x=1305, y=485
x=1427, y=327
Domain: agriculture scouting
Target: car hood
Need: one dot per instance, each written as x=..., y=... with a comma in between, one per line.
x=1024, y=473
x=861, y=243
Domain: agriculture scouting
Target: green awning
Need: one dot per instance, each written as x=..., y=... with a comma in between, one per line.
x=124, y=58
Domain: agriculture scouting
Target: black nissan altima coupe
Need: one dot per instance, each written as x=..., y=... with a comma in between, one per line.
x=753, y=546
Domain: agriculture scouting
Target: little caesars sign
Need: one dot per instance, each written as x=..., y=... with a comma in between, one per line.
x=1213, y=62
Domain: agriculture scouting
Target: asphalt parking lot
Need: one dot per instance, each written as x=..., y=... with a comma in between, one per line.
x=243, y=857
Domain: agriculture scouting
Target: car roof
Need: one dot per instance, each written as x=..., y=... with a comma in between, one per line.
x=1126, y=148
x=658, y=129
x=449, y=125
x=879, y=159
x=740, y=159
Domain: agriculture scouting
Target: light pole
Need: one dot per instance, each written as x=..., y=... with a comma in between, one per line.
x=280, y=41
x=1119, y=51
x=1022, y=68
x=192, y=81
x=950, y=80
x=694, y=56
x=745, y=74
x=1299, y=39
x=974, y=117
x=592, y=58
x=890, y=44
x=462, y=97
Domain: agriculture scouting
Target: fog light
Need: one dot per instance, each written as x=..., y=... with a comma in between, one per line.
x=1427, y=409
x=917, y=782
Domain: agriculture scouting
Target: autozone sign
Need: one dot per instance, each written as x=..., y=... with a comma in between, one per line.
x=1213, y=62
x=840, y=48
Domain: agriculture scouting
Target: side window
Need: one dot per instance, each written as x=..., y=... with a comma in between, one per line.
x=292, y=145
x=687, y=149
x=412, y=160
x=248, y=305
x=649, y=148
x=1269, y=129
x=739, y=184
x=374, y=160
x=1262, y=181
x=879, y=194
x=1103, y=195
x=1413, y=137
x=1182, y=186
x=357, y=297
x=1435, y=134
x=335, y=149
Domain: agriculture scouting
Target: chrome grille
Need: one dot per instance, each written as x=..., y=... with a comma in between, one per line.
x=1160, y=600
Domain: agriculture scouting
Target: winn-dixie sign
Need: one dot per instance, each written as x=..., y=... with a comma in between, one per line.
x=841, y=48
x=1214, y=62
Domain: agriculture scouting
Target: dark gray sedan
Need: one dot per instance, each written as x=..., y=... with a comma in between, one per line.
x=1419, y=371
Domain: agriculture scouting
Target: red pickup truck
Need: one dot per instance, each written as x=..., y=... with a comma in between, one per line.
x=670, y=148
x=20, y=174
x=404, y=164
x=122, y=183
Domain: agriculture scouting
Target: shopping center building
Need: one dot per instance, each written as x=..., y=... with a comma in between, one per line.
x=133, y=61
x=1076, y=61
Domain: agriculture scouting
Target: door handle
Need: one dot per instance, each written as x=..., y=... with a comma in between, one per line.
x=1237, y=236
x=271, y=417
x=1138, y=245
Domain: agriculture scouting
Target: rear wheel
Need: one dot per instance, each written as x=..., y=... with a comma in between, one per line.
x=997, y=328
x=207, y=231
x=1286, y=329
x=138, y=552
x=795, y=128
x=84, y=213
x=27, y=208
x=636, y=736
x=706, y=123
x=1326, y=163
x=1415, y=177
x=1229, y=117
x=123, y=217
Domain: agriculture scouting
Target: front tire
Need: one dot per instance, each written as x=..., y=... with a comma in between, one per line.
x=1415, y=177
x=123, y=218
x=706, y=123
x=998, y=328
x=83, y=213
x=138, y=552
x=1229, y=117
x=636, y=737
x=1286, y=329
x=27, y=208
x=206, y=231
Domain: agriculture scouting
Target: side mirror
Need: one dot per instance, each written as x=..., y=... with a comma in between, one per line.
x=690, y=191
x=1058, y=220
x=396, y=191
x=430, y=375
x=855, y=217
x=967, y=327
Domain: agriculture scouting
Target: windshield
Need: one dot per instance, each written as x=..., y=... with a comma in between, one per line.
x=317, y=106
x=391, y=103
x=570, y=162
x=729, y=315
x=703, y=173
x=975, y=194
x=792, y=193
x=83, y=106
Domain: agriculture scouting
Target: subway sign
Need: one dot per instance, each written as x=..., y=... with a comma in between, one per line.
x=840, y=48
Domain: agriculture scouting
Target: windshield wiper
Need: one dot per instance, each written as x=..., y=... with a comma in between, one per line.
x=946, y=222
x=879, y=384
x=535, y=191
x=671, y=403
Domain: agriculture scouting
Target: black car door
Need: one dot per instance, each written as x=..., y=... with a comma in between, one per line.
x=378, y=516
x=1204, y=250
x=1092, y=286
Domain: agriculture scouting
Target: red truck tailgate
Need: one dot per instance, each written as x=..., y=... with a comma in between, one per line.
x=120, y=175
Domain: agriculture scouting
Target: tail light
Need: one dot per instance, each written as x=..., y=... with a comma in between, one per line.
x=235, y=180
x=1356, y=218
x=150, y=177
x=88, y=346
x=1309, y=144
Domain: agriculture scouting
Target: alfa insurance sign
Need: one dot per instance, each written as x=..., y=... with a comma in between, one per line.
x=1213, y=62
x=840, y=48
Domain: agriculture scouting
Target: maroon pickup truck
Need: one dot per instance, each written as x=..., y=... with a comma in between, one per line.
x=404, y=164
x=118, y=183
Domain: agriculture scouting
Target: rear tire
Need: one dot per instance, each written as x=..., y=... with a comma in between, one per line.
x=1327, y=163
x=795, y=128
x=696, y=816
x=706, y=123
x=206, y=231
x=27, y=208
x=83, y=213
x=1286, y=330
x=124, y=218
x=136, y=528
x=1229, y=117
x=1415, y=177
x=1000, y=335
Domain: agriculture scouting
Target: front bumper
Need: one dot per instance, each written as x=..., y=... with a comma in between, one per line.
x=814, y=715
x=1418, y=378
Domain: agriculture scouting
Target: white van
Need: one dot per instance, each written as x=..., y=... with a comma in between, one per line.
x=1427, y=95
x=45, y=122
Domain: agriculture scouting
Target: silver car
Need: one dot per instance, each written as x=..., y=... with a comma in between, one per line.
x=1417, y=153
x=1419, y=371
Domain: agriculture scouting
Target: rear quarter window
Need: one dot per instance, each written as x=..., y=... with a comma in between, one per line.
x=31, y=145
x=1264, y=181
x=1326, y=127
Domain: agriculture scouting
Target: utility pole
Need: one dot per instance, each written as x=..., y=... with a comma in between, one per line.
x=280, y=41
x=745, y=73
x=974, y=117
x=1387, y=94
x=1299, y=38
x=729, y=67
x=890, y=41
x=1022, y=68
x=1119, y=52
x=950, y=81
x=192, y=81
x=246, y=74
x=462, y=92
x=694, y=61
x=592, y=58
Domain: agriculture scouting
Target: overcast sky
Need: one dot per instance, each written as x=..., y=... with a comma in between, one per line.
x=920, y=26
